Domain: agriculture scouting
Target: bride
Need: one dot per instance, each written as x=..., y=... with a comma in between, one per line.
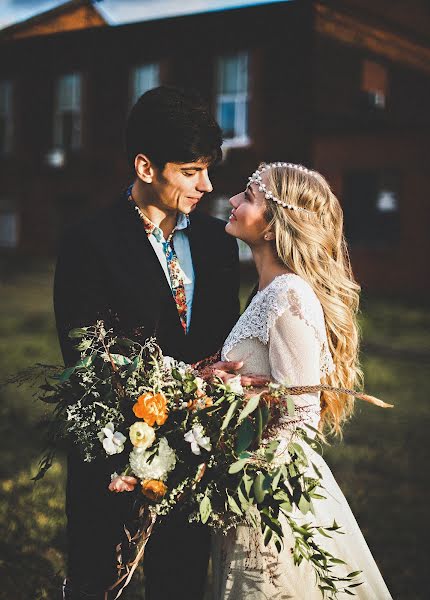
x=300, y=328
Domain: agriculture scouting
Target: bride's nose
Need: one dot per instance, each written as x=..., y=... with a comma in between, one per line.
x=234, y=201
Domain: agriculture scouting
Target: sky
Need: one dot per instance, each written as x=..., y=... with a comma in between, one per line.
x=118, y=11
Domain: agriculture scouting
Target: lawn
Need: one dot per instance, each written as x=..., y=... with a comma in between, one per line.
x=380, y=463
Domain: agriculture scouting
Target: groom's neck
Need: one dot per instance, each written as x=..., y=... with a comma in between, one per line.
x=153, y=209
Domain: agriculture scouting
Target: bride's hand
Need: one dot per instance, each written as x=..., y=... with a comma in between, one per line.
x=123, y=483
x=226, y=370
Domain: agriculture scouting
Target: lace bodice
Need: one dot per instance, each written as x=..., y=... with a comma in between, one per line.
x=282, y=335
x=288, y=294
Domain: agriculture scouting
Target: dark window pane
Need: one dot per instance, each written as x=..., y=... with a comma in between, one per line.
x=371, y=207
x=227, y=119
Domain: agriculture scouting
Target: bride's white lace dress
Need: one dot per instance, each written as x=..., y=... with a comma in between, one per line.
x=282, y=335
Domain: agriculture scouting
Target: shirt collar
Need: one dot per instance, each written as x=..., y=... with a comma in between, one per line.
x=182, y=222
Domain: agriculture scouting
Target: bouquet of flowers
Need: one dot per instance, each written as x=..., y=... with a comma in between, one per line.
x=207, y=446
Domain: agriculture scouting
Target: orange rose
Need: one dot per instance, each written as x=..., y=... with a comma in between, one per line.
x=153, y=489
x=152, y=409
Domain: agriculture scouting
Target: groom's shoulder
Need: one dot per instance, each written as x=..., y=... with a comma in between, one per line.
x=97, y=223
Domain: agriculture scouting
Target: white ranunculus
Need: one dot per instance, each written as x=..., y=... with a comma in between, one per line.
x=197, y=439
x=113, y=441
x=141, y=435
x=156, y=468
x=234, y=385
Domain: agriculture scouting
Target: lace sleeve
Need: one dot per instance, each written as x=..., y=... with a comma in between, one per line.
x=298, y=353
x=294, y=360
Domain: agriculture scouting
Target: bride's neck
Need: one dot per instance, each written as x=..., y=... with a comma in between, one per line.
x=267, y=265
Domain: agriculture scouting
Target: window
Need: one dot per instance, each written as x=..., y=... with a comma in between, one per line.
x=233, y=98
x=67, y=124
x=8, y=224
x=374, y=84
x=5, y=117
x=144, y=78
x=371, y=207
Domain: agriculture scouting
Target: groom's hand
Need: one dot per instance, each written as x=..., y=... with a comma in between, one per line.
x=226, y=370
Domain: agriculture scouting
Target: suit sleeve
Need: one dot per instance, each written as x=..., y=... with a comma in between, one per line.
x=79, y=289
x=94, y=515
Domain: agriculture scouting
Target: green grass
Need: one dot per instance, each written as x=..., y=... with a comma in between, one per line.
x=381, y=464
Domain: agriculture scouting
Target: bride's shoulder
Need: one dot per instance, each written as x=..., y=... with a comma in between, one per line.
x=289, y=291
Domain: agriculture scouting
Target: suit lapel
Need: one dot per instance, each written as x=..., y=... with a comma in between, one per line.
x=197, y=246
x=147, y=274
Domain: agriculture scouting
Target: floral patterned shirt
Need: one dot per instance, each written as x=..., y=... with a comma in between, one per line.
x=175, y=259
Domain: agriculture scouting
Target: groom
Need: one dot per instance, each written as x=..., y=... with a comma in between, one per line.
x=148, y=266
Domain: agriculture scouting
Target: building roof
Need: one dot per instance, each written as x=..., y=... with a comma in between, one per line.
x=68, y=16
x=121, y=12
x=132, y=11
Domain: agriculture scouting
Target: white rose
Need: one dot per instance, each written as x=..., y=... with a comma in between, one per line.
x=197, y=439
x=234, y=385
x=113, y=441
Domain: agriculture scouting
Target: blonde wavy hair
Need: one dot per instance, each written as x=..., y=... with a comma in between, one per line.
x=312, y=245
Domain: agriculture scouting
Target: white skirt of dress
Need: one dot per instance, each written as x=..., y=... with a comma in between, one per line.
x=244, y=569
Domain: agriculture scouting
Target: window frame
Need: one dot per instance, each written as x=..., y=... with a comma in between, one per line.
x=241, y=99
x=133, y=95
x=75, y=109
x=6, y=145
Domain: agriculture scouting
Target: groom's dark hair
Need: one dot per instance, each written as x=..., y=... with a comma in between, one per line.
x=168, y=124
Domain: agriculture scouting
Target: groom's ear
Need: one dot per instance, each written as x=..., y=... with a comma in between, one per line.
x=144, y=168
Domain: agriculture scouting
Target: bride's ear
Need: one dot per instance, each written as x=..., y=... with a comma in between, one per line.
x=144, y=168
x=269, y=236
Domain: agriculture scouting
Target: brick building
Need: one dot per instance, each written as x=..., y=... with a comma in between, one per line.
x=342, y=86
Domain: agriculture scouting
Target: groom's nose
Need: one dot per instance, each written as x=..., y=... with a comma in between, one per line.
x=204, y=183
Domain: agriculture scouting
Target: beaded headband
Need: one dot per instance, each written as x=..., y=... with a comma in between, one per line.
x=256, y=178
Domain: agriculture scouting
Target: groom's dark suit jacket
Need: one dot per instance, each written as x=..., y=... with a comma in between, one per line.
x=107, y=269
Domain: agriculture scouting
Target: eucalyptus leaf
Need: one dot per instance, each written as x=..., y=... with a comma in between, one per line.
x=317, y=471
x=245, y=436
x=65, y=375
x=259, y=491
x=233, y=505
x=276, y=479
x=84, y=345
x=120, y=359
x=247, y=482
x=270, y=450
x=229, y=415
x=298, y=450
x=304, y=505
x=205, y=509
x=286, y=506
x=237, y=466
x=291, y=409
x=271, y=522
x=259, y=424
x=265, y=414
x=251, y=405
x=78, y=332
x=267, y=535
x=85, y=362
x=244, y=502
